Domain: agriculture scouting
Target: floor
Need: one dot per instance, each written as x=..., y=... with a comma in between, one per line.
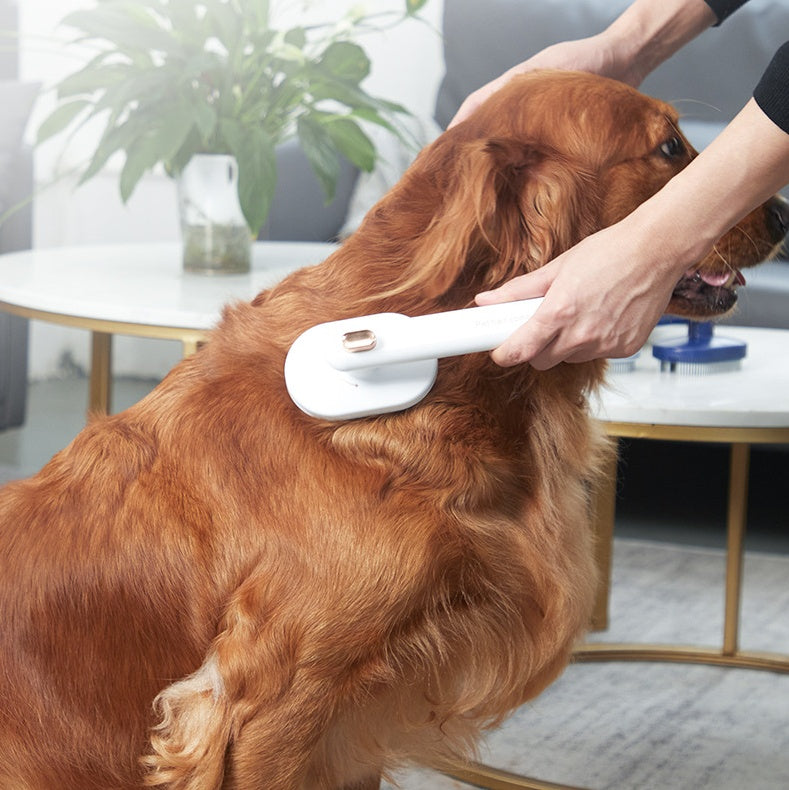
x=667, y=491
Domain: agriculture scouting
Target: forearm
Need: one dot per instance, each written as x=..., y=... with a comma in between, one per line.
x=648, y=33
x=746, y=164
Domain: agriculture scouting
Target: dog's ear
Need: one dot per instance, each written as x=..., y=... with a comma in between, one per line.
x=509, y=206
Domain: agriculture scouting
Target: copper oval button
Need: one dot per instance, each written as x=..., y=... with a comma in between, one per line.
x=360, y=340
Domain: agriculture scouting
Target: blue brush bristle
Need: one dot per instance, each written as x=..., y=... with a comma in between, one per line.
x=700, y=352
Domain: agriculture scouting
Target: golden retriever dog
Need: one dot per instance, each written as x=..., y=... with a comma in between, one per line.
x=215, y=590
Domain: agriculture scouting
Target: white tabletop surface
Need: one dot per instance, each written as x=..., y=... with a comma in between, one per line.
x=756, y=396
x=141, y=284
x=145, y=285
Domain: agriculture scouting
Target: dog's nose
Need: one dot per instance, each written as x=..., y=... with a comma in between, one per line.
x=778, y=209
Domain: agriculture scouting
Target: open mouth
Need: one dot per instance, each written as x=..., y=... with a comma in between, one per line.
x=706, y=293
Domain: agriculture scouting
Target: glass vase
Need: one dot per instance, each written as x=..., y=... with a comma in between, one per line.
x=216, y=238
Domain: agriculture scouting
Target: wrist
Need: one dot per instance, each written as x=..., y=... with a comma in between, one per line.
x=648, y=33
x=671, y=237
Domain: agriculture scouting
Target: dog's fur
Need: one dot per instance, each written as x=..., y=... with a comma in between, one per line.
x=313, y=602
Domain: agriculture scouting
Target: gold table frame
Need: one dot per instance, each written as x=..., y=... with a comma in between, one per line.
x=729, y=653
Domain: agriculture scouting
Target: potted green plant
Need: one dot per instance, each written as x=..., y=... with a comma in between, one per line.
x=172, y=80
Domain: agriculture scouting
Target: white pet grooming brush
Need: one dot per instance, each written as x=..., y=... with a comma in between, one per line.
x=386, y=362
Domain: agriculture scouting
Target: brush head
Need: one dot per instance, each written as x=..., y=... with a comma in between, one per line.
x=322, y=390
x=700, y=352
x=386, y=362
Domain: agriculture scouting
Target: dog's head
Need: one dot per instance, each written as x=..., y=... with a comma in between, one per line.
x=547, y=160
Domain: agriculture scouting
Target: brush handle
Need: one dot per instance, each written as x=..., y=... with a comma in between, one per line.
x=399, y=338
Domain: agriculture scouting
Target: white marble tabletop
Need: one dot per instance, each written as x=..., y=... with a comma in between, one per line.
x=144, y=285
x=141, y=284
x=755, y=396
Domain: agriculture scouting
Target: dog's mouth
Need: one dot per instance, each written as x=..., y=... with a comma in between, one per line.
x=701, y=294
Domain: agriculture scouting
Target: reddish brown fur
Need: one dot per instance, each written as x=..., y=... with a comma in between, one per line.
x=348, y=595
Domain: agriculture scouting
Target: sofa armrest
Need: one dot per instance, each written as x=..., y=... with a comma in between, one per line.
x=16, y=231
x=15, y=234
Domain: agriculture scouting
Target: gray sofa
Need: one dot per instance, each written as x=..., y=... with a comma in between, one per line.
x=16, y=189
x=708, y=81
x=15, y=234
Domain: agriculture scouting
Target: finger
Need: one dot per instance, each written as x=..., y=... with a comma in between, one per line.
x=555, y=352
x=530, y=341
x=464, y=111
x=470, y=104
x=478, y=97
x=527, y=286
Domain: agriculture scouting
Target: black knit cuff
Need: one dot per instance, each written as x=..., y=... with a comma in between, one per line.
x=724, y=8
x=771, y=93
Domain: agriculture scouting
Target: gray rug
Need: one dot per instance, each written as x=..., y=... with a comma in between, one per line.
x=634, y=726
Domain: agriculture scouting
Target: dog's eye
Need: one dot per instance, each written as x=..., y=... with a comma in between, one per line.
x=672, y=147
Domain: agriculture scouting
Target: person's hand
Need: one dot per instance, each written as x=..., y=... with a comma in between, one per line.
x=586, y=54
x=600, y=301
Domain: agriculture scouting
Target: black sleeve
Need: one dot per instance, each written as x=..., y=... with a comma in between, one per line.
x=724, y=8
x=771, y=93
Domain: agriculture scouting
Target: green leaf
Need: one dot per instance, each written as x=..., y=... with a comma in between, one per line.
x=60, y=118
x=179, y=16
x=138, y=161
x=412, y=7
x=345, y=61
x=92, y=78
x=160, y=143
x=126, y=26
x=371, y=116
x=351, y=141
x=256, y=12
x=257, y=170
x=296, y=37
x=225, y=22
x=321, y=152
x=192, y=144
x=205, y=119
x=115, y=138
x=325, y=89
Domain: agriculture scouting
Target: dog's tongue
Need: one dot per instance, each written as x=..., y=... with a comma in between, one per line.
x=721, y=279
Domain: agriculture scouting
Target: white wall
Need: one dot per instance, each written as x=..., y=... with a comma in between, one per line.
x=407, y=68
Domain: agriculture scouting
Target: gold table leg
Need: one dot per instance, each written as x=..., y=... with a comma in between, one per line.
x=736, y=520
x=190, y=346
x=100, y=373
x=478, y=775
x=603, y=515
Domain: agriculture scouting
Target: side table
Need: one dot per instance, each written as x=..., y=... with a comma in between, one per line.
x=739, y=408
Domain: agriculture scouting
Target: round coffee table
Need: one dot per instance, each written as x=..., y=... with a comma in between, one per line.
x=739, y=408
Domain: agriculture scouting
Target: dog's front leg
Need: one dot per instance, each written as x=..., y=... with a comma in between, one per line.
x=251, y=716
